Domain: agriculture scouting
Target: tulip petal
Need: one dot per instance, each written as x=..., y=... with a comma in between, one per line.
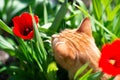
x=110, y=52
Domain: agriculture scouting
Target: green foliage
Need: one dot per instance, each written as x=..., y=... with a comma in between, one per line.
x=97, y=9
x=87, y=75
x=5, y=27
x=51, y=71
x=106, y=12
x=80, y=71
x=95, y=76
x=55, y=26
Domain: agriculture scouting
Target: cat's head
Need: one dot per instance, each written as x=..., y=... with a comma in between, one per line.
x=73, y=48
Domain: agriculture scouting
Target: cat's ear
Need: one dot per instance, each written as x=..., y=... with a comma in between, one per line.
x=85, y=27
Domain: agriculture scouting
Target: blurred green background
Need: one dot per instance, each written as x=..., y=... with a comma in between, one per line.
x=106, y=12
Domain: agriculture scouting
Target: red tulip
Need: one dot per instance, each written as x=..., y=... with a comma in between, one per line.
x=23, y=26
x=110, y=58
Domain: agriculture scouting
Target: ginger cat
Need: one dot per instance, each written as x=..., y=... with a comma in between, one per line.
x=73, y=48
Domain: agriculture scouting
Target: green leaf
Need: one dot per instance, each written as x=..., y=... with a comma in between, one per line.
x=38, y=39
x=3, y=69
x=51, y=71
x=52, y=67
x=23, y=50
x=97, y=9
x=5, y=44
x=39, y=47
x=9, y=68
x=116, y=27
x=5, y=27
x=44, y=28
x=81, y=4
x=80, y=70
x=45, y=12
x=95, y=76
x=106, y=4
x=113, y=13
x=86, y=75
x=82, y=10
x=60, y=15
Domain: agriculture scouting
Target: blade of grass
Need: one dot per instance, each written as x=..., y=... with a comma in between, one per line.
x=114, y=12
x=38, y=38
x=60, y=15
x=82, y=10
x=5, y=6
x=3, y=69
x=97, y=8
x=39, y=47
x=5, y=45
x=5, y=27
x=95, y=76
x=8, y=68
x=45, y=12
x=106, y=4
x=80, y=70
x=85, y=76
x=116, y=26
x=23, y=49
x=81, y=4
